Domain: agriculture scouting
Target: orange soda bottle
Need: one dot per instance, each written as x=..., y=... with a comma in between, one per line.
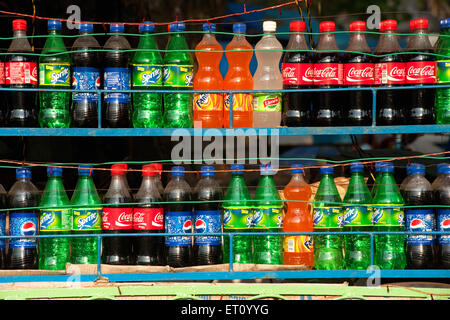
x=298, y=249
x=208, y=107
x=239, y=78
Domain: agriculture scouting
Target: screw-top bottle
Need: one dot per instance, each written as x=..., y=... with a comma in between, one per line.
x=3, y=213
x=378, y=176
x=442, y=103
x=442, y=198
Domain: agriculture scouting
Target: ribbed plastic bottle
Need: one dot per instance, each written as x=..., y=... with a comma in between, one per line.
x=442, y=102
x=3, y=213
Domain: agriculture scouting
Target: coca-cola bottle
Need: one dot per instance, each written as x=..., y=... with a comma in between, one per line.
x=358, y=73
x=298, y=73
x=420, y=71
x=328, y=74
x=389, y=72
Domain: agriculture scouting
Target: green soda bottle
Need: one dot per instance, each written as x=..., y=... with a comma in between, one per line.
x=267, y=217
x=55, y=218
x=147, y=75
x=357, y=217
x=54, y=73
x=327, y=217
x=238, y=217
x=378, y=175
x=178, y=75
x=87, y=218
x=388, y=216
x=442, y=106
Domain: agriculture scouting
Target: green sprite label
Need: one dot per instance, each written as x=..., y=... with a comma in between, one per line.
x=55, y=74
x=268, y=217
x=389, y=217
x=267, y=102
x=237, y=218
x=178, y=76
x=55, y=220
x=443, y=71
x=357, y=216
x=329, y=217
x=87, y=219
x=147, y=75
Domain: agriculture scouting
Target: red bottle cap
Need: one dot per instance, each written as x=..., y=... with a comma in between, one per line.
x=19, y=24
x=158, y=167
x=327, y=26
x=119, y=169
x=297, y=25
x=148, y=170
x=388, y=25
x=418, y=24
x=358, y=26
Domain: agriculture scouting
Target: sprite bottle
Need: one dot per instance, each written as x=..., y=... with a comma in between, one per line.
x=238, y=217
x=442, y=107
x=55, y=218
x=327, y=218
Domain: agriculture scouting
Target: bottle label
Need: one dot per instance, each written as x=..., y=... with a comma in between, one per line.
x=55, y=74
x=55, y=220
x=85, y=78
x=329, y=217
x=390, y=73
x=388, y=217
x=359, y=74
x=267, y=102
x=178, y=76
x=2, y=73
x=87, y=219
x=207, y=221
x=443, y=224
x=328, y=73
x=268, y=218
x=21, y=73
x=117, y=218
x=237, y=218
x=298, y=244
x=2, y=229
x=148, y=219
x=117, y=79
x=241, y=102
x=419, y=220
x=297, y=73
x=443, y=71
x=147, y=75
x=421, y=72
x=357, y=216
x=23, y=224
x=179, y=222
x=208, y=102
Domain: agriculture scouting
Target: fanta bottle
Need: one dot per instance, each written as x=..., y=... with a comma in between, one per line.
x=239, y=53
x=208, y=107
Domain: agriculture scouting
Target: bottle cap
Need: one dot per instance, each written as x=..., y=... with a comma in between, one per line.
x=19, y=24
x=158, y=167
x=445, y=168
x=358, y=26
x=149, y=169
x=297, y=25
x=54, y=25
x=266, y=170
x=239, y=28
x=388, y=25
x=86, y=27
x=356, y=167
x=417, y=168
x=444, y=23
x=119, y=169
x=147, y=26
x=378, y=166
x=386, y=167
x=296, y=168
x=269, y=26
x=418, y=24
x=54, y=172
x=326, y=170
x=178, y=171
x=181, y=26
x=327, y=26
x=116, y=28
x=209, y=27
x=440, y=166
x=207, y=171
x=23, y=173
x=237, y=168
x=85, y=170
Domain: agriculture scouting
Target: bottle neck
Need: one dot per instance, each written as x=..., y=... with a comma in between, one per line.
x=54, y=32
x=19, y=33
x=327, y=41
x=297, y=41
x=358, y=41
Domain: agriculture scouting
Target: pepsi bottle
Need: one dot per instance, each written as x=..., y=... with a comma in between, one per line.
x=3, y=207
x=178, y=220
x=442, y=197
x=207, y=219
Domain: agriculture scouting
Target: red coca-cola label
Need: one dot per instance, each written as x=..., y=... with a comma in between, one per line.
x=148, y=219
x=2, y=73
x=359, y=74
x=297, y=73
x=421, y=72
x=21, y=73
x=328, y=73
x=390, y=73
x=117, y=218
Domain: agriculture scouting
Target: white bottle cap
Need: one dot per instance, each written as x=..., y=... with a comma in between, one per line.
x=270, y=26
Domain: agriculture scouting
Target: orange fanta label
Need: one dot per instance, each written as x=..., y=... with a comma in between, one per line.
x=208, y=102
x=241, y=102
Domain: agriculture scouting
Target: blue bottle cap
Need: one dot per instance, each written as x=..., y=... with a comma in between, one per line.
x=356, y=167
x=416, y=168
x=86, y=27
x=266, y=170
x=173, y=27
x=54, y=172
x=239, y=28
x=237, y=168
x=23, y=173
x=297, y=168
x=85, y=170
x=178, y=171
x=444, y=23
x=387, y=167
x=147, y=26
x=326, y=170
x=116, y=28
x=445, y=168
x=440, y=166
x=209, y=27
x=54, y=25
x=207, y=171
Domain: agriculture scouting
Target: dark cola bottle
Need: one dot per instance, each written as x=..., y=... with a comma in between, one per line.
x=358, y=73
x=298, y=73
x=117, y=218
x=389, y=72
x=328, y=74
x=3, y=212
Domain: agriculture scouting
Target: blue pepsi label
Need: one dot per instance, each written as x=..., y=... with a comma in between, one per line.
x=117, y=79
x=23, y=224
x=206, y=221
x=443, y=224
x=85, y=78
x=179, y=222
x=2, y=229
x=420, y=220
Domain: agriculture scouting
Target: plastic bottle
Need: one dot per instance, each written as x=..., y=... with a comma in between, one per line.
x=267, y=106
x=117, y=218
x=388, y=216
x=328, y=217
x=178, y=220
x=178, y=75
x=358, y=73
x=440, y=174
x=239, y=54
x=298, y=73
x=3, y=98
x=357, y=217
x=208, y=107
x=22, y=253
x=238, y=217
x=21, y=71
x=147, y=65
x=207, y=218
x=85, y=76
x=378, y=176
x=3, y=213
x=117, y=76
x=328, y=74
x=298, y=249
x=87, y=218
x=442, y=103
x=54, y=73
x=55, y=218
x=158, y=167
x=148, y=217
